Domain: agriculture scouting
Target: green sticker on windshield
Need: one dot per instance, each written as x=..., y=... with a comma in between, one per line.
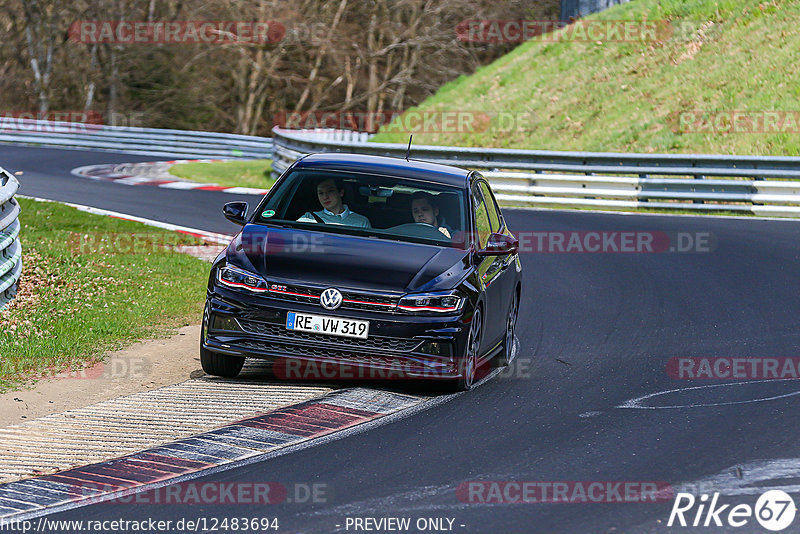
x=268, y=213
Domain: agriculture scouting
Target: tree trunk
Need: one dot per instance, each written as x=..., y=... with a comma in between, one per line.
x=320, y=54
x=40, y=34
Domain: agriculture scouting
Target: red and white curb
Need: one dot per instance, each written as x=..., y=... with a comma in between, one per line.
x=156, y=173
x=176, y=461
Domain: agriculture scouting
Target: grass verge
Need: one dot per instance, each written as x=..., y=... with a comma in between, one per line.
x=240, y=173
x=91, y=284
x=725, y=56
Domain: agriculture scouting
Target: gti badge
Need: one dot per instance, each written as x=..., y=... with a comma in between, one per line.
x=331, y=298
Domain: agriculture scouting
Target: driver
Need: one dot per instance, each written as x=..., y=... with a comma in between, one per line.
x=330, y=193
x=425, y=211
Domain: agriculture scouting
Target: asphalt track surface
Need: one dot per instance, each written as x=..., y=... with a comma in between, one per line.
x=46, y=174
x=595, y=330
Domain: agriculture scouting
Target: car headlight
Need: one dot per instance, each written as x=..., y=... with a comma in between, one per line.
x=241, y=279
x=431, y=303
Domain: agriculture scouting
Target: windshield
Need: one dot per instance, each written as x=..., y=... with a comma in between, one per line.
x=385, y=207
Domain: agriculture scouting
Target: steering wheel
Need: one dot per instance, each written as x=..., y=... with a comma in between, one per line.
x=423, y=230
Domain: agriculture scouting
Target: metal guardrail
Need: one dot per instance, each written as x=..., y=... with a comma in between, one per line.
x=762, y=185
x=144, y=141
x=573, y=9
x=10, y=249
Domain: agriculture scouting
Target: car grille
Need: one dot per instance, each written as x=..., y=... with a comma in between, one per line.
x=352, y=300
x=359, y=301
x=373, y=343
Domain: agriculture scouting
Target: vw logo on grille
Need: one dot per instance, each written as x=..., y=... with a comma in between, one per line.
x=331, y=298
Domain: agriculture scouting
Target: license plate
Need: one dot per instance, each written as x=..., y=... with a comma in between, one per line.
x=332, y=326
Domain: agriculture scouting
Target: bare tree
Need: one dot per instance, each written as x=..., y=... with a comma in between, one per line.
x=364, y=55
x=41, y=26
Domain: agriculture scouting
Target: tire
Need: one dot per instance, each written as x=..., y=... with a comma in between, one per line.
x=504, y=358
x=468, y=365
x=217, y=364
x=220, y=364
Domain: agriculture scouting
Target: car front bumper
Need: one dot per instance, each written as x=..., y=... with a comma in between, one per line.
x=399, y=346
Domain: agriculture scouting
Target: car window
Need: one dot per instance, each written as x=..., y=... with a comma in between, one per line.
x=483, y=227
x=491, y=208
x=381, y=206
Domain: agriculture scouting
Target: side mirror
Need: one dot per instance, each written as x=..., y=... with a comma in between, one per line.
x=500, y=245
x=235, y=212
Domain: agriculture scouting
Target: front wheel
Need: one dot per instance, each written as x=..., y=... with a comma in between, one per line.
x=469, y=363
x=505, y=357
x=220, y=364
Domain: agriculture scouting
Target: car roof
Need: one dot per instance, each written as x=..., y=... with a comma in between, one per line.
x=414, y=169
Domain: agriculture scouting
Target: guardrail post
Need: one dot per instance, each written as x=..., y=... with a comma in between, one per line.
x=698, y=177
x=639, y=188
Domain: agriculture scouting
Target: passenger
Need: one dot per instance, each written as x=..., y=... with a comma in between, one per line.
x=425, y=211
x=330, y=194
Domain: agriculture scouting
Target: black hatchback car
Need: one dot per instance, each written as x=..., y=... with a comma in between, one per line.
x=358, y=266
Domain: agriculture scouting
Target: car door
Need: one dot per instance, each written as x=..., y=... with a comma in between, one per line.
x=490, y=269
x=507, y=277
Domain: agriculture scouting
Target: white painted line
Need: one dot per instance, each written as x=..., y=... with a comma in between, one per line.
x=751, y=478
x=145, y=173
x=133, y=180
x=245, y=191
x=637, y=403
x=82, y=171
x=184, y=185
x=222, y=239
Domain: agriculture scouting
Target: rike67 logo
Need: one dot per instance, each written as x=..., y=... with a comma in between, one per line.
x=774, y=510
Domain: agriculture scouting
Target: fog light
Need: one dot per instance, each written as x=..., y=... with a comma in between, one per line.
x=437, y=348
x=224, y=322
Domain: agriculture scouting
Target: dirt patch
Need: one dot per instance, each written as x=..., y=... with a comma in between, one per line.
x=143, y=366
x=701, y=37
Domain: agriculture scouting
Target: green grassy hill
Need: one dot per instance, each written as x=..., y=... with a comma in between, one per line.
x=736, y=55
